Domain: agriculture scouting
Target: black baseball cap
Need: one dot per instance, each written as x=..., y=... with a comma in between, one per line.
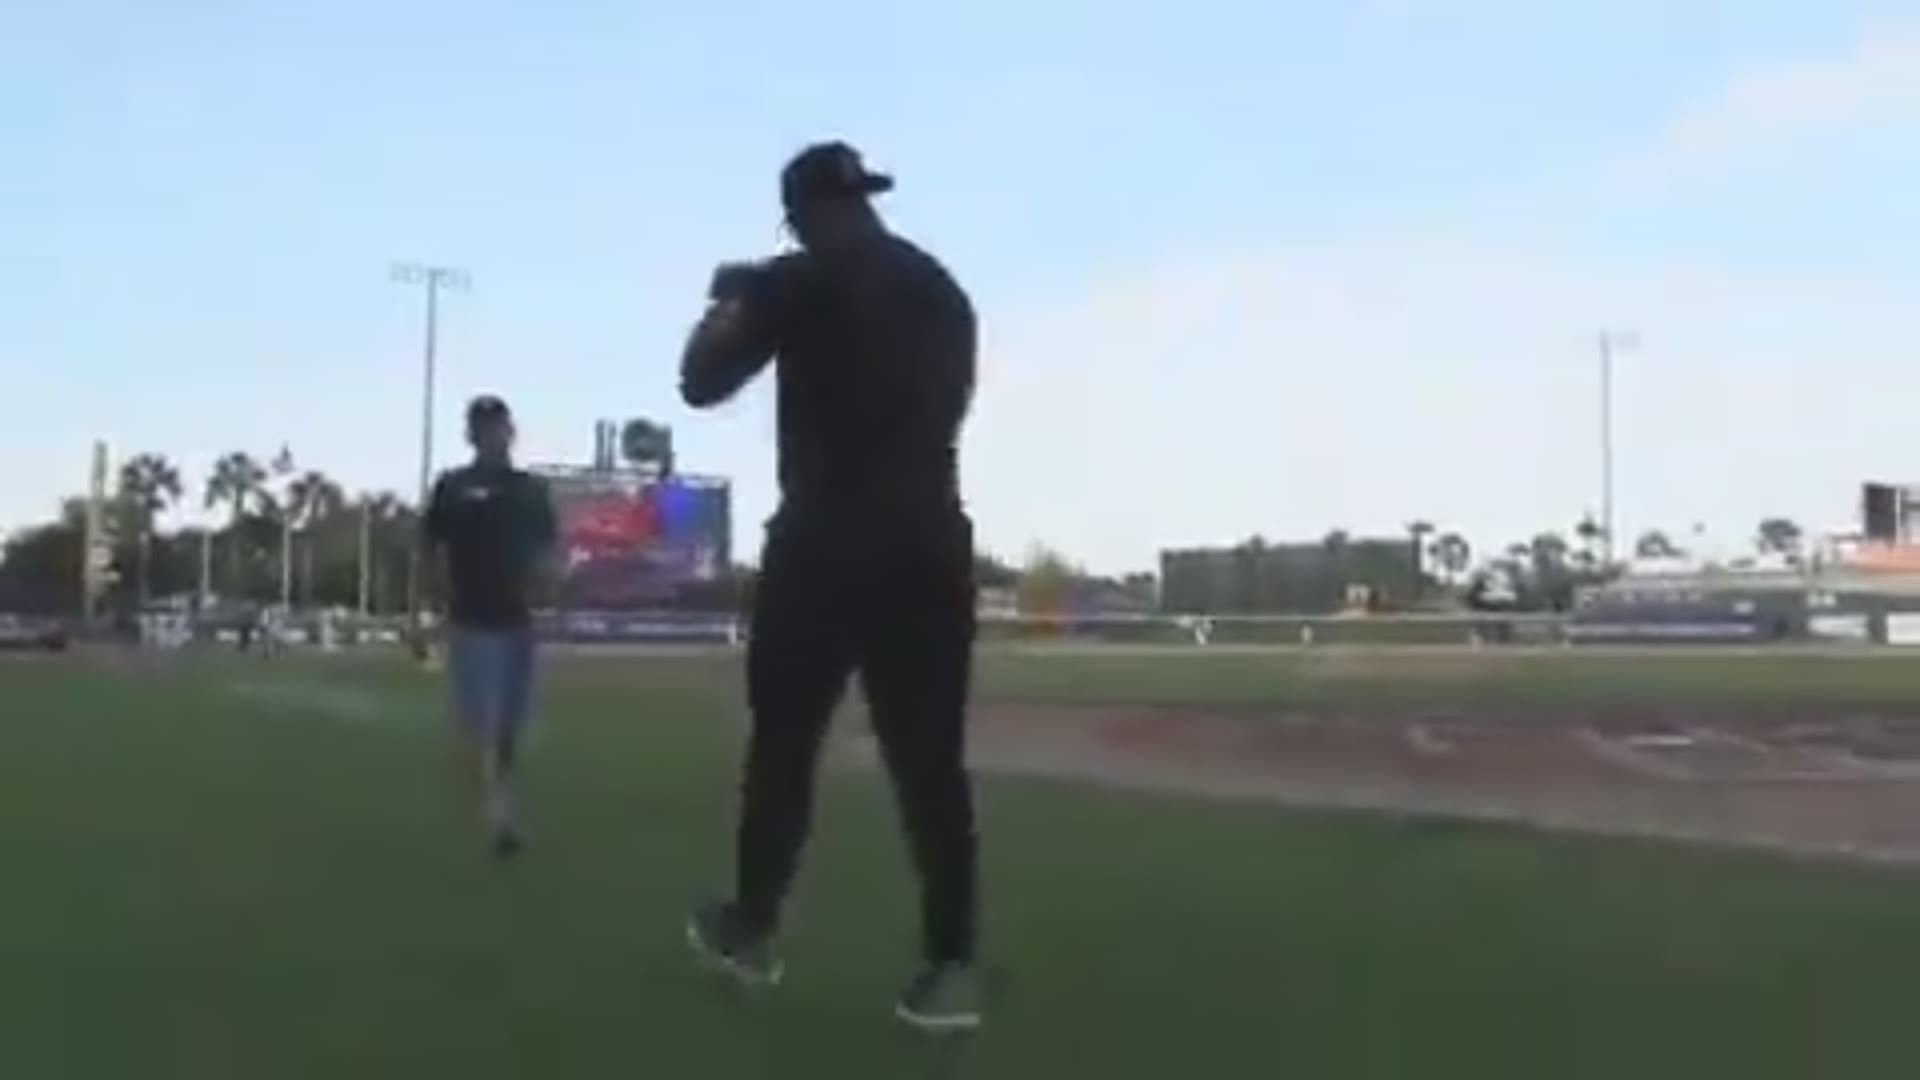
x=487, y=408
x=826, y=171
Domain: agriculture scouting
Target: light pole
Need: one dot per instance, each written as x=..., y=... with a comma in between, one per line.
x=366, y=548
x=282, y=469
x=435, y=278
x=1611, y=342
x=206, y=566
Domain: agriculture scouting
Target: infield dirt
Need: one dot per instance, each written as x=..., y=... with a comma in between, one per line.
x=1843, y=783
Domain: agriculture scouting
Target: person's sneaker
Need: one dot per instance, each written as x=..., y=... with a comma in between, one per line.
x=717, y=934
x=943, y=999
x=508, y=842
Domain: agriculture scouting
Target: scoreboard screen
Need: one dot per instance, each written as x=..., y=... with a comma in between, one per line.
x=631, y=539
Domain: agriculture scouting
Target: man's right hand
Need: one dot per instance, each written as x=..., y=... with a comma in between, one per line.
x=739, y=332
x=721, y=323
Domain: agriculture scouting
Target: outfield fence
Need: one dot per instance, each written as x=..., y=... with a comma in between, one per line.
x=1194, y=631
x=1476, y=630
x=1278, y=630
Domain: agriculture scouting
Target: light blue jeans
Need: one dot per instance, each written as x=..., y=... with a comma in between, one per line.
x=491, y=675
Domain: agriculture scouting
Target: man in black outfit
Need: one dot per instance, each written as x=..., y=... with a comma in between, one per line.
x=868, y=564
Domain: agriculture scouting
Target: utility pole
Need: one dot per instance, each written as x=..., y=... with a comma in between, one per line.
x=1611, y=342
x=435, y=278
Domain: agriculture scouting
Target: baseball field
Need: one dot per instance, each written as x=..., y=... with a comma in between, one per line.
x=1437, y=863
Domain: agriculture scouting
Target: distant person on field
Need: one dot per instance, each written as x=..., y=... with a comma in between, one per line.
x=495, y=525
x=273, y=630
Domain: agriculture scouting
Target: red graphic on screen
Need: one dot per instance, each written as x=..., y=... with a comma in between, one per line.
x=614, y=524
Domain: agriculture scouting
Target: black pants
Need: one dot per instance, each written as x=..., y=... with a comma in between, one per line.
x=896, y=606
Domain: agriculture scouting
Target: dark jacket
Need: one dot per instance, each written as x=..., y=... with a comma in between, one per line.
x=876, y=363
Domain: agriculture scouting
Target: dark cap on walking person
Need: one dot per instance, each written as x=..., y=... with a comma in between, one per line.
x=489, y=427
x=485, y=409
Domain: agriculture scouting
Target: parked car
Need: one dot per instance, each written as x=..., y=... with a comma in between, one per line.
x=32, y=632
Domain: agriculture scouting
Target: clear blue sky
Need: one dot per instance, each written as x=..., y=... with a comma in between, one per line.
x=1243, y=267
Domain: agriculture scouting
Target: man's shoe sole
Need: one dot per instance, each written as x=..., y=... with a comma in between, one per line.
x=727, y=965
x=951, y=1024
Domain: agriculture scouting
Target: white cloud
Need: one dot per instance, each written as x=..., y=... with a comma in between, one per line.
x=1370, y=380
x=1367, y=383
x=1767, y=108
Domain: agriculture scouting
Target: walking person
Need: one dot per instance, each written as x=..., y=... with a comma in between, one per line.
x=495, y=525
x=868, y=561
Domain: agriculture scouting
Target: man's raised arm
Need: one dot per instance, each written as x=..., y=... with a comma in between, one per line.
x=734, y=340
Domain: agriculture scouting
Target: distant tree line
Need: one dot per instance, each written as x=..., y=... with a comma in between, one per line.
x=276, y=527
x=281, y=529
x=1778, y=537
x=1429, y=569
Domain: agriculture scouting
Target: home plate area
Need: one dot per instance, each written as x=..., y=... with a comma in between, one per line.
x=1835, y=784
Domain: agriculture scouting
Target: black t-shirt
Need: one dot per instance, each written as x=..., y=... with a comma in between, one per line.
x=876, y=365
x=496, y=524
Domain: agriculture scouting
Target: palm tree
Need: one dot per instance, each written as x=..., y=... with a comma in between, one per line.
x=1418, y=531
x=149, y=486
x=1654, y=544
x=1591, y=535
x=1551, y=582
x=1779, y=536
x=311, y=498
x=1549, y=551
x=237, y=482
x=1453, y=555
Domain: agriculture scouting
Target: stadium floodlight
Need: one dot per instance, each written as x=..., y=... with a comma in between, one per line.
x=436, y=279
x=1611, y=342
x=450, y=278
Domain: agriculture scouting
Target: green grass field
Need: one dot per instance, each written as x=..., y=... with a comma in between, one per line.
x=242, y=869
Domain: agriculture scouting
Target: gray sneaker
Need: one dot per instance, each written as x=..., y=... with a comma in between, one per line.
x=507, y=843
x=945, y=999
x=717, y=934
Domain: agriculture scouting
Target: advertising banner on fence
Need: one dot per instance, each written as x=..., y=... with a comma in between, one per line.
x=638, y=628
x=1652, y=632
x=1841, y=626
x=1903, y=628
